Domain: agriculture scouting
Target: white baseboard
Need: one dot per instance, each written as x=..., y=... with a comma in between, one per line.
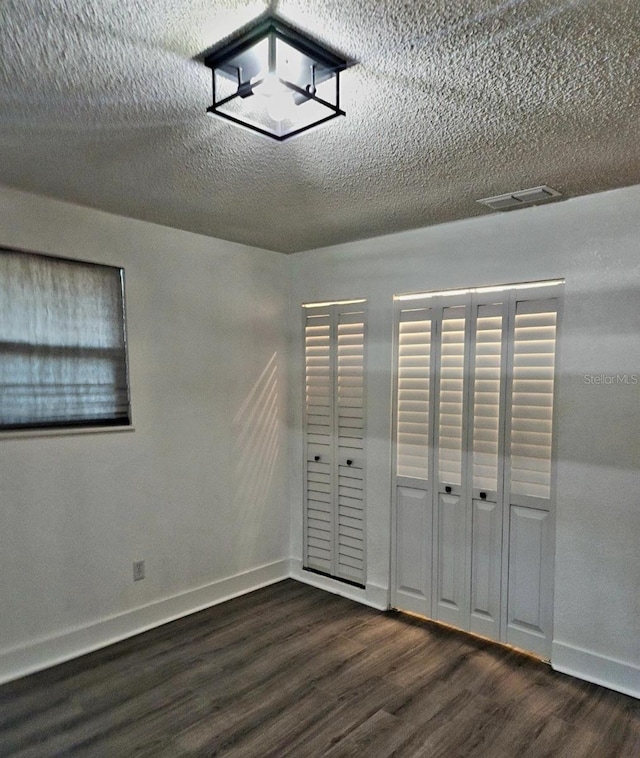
x=18, y=662
x=42, y=654
x=373, y=595
x=596, y=668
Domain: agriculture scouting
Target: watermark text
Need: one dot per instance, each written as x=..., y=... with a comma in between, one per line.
x=606, y=379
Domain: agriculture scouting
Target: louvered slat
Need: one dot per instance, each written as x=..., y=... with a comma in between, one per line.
x=318, y=375
x=451, y=395
x=534, y=344
x=414, y=380
x=486, y=396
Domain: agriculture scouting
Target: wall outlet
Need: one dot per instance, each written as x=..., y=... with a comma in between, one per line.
x=138, y=570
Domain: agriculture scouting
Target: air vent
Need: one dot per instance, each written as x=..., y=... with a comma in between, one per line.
x=520, y=198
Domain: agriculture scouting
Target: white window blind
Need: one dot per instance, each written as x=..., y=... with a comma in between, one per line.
x=534, y=345
x=62, y=343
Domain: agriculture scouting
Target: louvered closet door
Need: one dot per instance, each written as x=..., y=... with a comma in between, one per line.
x=319, y=434
x=452, y=528
x=529, y=475
x=488, y=372
x=414, y=509
x=473, y=517
x=350, y=425
x=335, y=532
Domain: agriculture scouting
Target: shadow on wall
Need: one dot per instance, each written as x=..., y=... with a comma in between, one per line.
x=257, y=448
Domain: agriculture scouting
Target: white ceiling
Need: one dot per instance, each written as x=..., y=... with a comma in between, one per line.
x=102, y=103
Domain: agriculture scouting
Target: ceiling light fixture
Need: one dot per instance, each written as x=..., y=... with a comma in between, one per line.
x=275, y=80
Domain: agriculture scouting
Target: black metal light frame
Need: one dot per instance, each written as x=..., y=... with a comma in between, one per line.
x=274, y=28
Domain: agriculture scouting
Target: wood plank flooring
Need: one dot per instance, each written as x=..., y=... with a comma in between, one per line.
x=293, y=672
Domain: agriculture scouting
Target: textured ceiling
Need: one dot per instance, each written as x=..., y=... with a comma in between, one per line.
x=103, y=103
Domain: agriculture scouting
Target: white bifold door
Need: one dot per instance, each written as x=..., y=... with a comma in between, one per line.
x=474, y=473
x=334, y=442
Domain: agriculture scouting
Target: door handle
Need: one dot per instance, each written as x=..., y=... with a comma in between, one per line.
x=349, y=461
x=447, y=489
x=316, y=457
x=483, y=495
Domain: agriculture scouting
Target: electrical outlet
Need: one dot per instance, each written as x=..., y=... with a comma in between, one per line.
x=138, y=570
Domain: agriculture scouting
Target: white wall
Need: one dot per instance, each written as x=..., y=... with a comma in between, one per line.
x=197, y=490
x=594, y=243
x=208, y=333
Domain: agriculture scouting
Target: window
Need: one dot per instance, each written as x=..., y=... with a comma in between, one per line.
x=62, y=343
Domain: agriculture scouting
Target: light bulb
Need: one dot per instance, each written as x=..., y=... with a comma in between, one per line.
x=270, y=86
x=280, y=104
x=281, y=107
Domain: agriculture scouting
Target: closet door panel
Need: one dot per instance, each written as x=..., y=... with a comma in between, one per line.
x=318, y=474
x=452, y=560
x=485, y=568
x=487, y=414
x=529, y=596
x=452, y=539
x=350, y=426
x=413, y=568
x=412, y=587
x=529, y=476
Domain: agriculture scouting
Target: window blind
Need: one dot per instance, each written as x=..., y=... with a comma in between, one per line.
x=62, y=343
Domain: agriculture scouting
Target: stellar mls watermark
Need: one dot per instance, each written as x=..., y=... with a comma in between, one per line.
x=608, y=379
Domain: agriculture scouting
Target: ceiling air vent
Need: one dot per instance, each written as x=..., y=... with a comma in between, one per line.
x=519, y=199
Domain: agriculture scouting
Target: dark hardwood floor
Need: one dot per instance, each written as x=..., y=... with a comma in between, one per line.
x=293, y=671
